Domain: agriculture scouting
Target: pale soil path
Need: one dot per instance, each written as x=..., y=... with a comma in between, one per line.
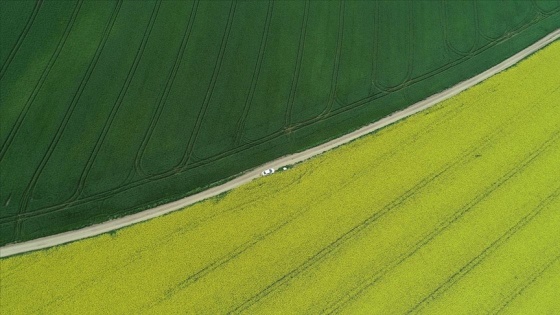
x=246, y=177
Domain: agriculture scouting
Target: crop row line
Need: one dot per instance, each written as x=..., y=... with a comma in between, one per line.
x=357, y=229
x=473, y=263
x=255, y=77
x=444, y=225
x=162, y=98
x=118, y=102
x=519, y=291
x=23, y=113
x=336, y=66
x=27, y=193
x=297, y=69
x=209, y=91
x=543, y=11
x=409, y=54
x=21, y=37
x=193, y=278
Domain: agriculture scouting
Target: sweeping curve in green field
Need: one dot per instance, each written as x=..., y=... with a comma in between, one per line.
x=111, y=107
x=454, y=210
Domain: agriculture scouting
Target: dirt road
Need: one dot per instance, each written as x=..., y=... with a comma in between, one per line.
x=246, y=177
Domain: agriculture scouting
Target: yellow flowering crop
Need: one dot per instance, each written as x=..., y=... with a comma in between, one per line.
x=453, y=210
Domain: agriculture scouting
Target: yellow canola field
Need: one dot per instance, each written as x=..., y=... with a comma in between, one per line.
x=452, y=211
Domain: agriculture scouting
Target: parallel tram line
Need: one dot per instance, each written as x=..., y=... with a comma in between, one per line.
x=528, y=283
x=346, y=108
x=21, y=37
x=410, y=53
x=375, y=52
x=336, y=66
x=427, y=75
x=162, y=98
x=118, y=102
x=75, y=291
x=209, y=92
x=23, y=113
x=62, y=126
x=297, y=69
x=444, y=225
x=473, y=263
x=255, y=77
x=324, y=253
x=242, y=248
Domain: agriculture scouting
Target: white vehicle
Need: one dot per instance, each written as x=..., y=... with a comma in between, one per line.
x=267, y=172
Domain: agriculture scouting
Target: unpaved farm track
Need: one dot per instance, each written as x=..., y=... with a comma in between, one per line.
x=58, y=239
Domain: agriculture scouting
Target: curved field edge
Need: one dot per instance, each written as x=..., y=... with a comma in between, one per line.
x=142, y=146
x=451, y=210
x=284, y=162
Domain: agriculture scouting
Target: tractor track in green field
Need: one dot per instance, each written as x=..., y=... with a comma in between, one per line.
x=255, y=76
x=39, y=84
x=336, y=66
x=410, y=52
x=446, y=32
x=141, y=216
x=66, y=118
x=297, y=68
x=201, y=114
x=116, y=106
x=162, y=98
x=21, y=37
